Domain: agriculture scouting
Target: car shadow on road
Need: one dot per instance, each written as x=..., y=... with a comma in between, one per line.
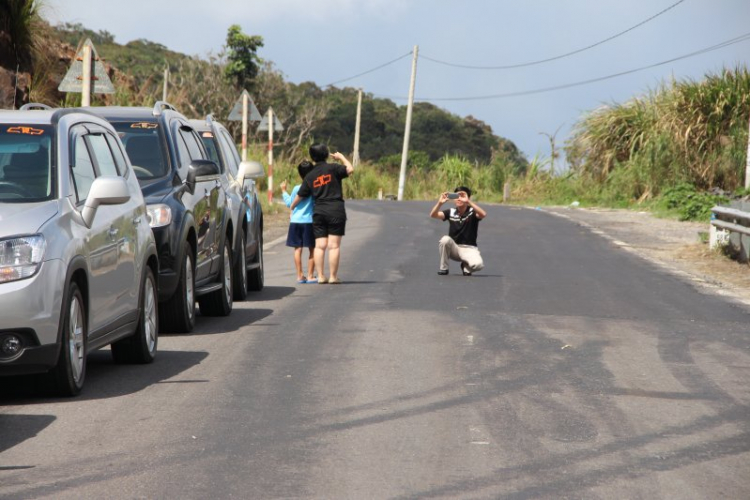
x=271, y=293
x=104, y=378
x=240, y=318
x=15, y=429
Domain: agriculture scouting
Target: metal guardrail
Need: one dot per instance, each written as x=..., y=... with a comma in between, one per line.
x=731, y=219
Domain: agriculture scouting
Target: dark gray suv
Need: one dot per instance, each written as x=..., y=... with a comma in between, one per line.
x=187, y=209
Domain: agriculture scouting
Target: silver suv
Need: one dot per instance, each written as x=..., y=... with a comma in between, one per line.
x=78, y=262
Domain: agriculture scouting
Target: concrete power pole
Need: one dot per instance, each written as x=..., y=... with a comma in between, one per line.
x=407, y=128
x=355, y=155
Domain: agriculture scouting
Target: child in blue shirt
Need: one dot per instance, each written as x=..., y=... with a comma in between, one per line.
x=300, y=227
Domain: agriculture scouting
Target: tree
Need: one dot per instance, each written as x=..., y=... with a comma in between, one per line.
x=17, y=18
x=243, y=62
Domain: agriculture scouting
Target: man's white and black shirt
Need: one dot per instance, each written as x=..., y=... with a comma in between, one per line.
x=463, y=228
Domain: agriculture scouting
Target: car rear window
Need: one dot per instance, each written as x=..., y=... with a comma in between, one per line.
x=26, y=167
x=145, y=147
x=210, y=143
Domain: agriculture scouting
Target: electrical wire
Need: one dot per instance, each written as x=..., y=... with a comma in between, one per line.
x=732, y=41
x=369, y=70
x=541, y=61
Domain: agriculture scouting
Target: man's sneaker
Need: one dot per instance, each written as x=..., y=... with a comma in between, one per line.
x=443, y=272
x=466, y=271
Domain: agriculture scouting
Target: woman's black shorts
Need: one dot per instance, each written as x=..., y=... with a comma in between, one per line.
x=325, y=225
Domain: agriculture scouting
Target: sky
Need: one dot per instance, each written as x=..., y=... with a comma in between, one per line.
x=325, y=41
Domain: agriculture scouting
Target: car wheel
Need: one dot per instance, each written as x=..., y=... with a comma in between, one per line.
x=255, y=276
x=69, y=373
x=240, y=269
x=141, y=347
x=178, y=313
x=219, y=303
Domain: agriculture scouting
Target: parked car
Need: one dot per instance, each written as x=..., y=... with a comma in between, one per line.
x=78, y=262
x=187, y=209
x=238, y=179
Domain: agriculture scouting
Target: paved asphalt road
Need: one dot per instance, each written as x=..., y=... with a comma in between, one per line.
x=568, y=368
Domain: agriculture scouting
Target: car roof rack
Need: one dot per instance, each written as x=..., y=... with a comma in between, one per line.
x=210, y=119
x=34, y=105
x=161, y=105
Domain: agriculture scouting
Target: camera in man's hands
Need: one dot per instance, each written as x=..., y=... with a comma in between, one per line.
x=452, y=196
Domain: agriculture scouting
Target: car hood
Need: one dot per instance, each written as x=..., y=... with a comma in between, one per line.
x=155, y=192
x=25, y=218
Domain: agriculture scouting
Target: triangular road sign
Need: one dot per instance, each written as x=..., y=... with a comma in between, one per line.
x=253, y=115
x=73, y=81
x=277, y=126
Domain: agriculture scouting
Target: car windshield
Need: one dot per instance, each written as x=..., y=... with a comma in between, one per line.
x=144, y=146
x=26, y=170
x=208, y=141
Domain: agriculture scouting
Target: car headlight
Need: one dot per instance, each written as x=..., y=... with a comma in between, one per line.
x=20, y=257
x=159, y=215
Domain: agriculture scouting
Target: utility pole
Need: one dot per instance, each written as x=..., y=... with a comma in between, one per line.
x=270, y=154
x=86, y=77
x=166, y=84
x=355, y=156
x=407, y=128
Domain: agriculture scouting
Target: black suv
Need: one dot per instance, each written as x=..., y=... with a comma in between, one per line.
x=187, y=210
x=242, y=199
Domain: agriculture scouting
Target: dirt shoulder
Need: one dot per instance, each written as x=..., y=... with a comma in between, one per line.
x=275, y=226
x=671, y=244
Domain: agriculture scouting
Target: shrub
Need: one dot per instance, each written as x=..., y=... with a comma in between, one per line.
x=689, y=203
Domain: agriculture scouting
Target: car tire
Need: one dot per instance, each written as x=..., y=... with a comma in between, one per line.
x=140, y=348
x=177, y=315
x=255, y=276
x=219, y=303
x=70, y=372
x=240, y=268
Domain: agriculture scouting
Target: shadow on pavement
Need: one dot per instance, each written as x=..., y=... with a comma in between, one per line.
x=104, y=378
x=271, y=293
x=15, y=429
x=239, y=318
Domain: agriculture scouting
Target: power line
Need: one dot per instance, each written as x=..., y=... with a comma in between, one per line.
x=732, y=41
x=532, y=63
x=369, y=70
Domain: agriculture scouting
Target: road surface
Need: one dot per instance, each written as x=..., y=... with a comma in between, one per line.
x=567, y=368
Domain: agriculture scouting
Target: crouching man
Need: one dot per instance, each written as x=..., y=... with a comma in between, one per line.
x=461, y=243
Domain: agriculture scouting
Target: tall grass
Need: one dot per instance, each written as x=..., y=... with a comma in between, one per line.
x=18, y=20
x=684, y=131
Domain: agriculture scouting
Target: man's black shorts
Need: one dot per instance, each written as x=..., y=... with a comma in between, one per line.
x=325, y=225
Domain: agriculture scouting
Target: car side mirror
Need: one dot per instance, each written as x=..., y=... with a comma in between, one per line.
x=250, y=170
x=198, y=169
x=108, y=190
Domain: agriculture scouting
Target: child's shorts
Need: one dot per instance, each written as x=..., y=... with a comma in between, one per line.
x=300, y=235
